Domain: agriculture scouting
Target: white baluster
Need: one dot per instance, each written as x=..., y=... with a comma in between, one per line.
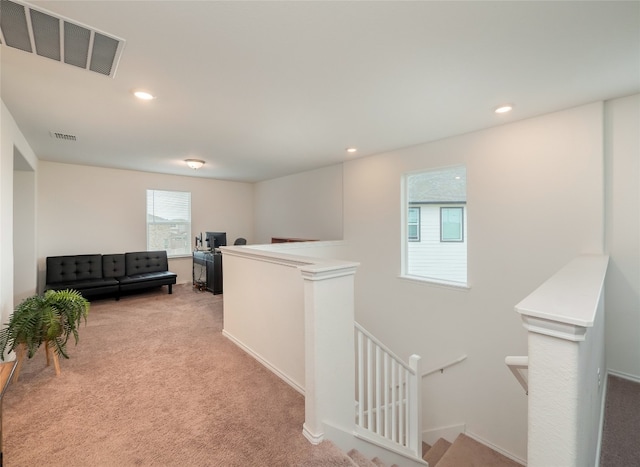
x=360, y=381
x=386, y=395
x=378, y=392
x=402, y=407
x=415, y=407
x=394, y=400
x=369, y=385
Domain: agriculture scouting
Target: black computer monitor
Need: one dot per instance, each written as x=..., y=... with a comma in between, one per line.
x=216, y=239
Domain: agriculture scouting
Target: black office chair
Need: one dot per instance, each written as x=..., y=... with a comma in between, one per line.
x=240, y=241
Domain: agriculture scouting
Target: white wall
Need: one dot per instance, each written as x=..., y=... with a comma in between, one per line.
x=86, y=210
x=534, y=201
x=622, y=291
x=264, y=302
x=24, y=232
x=11, y=139
x=264, y=312
x=306, y=205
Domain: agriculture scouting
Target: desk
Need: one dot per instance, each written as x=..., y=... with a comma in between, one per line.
x=6, y=372
x=207, y=270
x=289, y=240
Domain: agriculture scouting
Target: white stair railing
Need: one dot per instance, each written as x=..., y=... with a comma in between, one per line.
x=388, y=399
x=518, y=365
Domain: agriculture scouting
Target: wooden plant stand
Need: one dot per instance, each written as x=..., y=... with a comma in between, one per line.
x=7, y=370
x=22, y=352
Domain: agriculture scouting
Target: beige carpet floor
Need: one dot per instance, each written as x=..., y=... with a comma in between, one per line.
x=153, y=382
x=621, y=430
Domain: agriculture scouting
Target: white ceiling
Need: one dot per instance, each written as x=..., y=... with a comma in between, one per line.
x=264, y=89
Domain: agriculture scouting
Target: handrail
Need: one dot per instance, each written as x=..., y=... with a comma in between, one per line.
x=517, y=365
x=386, y=349
x=441, y=368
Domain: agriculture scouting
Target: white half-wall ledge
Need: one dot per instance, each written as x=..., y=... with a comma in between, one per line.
x=565, y=320
x=565, y=305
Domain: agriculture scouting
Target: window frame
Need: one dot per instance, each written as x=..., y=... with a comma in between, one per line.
x=460, y=237
x=176, y=223
x=454, y=195
x=417, y=223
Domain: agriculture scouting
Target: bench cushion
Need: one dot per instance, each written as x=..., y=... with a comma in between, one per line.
x=164, y=276
x=113, y=265
x=89, y=288
x=64, y=269
x=140, y=262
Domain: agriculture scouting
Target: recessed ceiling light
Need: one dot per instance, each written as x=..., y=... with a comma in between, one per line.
x=504, y=109
x=352, y=150
x=144, y=95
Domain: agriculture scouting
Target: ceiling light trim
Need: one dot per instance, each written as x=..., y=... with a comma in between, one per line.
x=503, y=109
x=143, y=95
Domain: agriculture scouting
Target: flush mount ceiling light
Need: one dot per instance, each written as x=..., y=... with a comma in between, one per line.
x=352, y=150
x=195, y=164
x=144, y=95
x=504, y=109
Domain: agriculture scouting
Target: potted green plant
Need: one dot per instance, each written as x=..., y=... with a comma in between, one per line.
x=51, y=318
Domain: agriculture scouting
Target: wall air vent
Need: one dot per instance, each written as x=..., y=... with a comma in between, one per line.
x=45, y=34
x=62, y=136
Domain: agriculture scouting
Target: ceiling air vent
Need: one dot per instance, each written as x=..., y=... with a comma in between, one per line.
x=62, y=136
x=45, y=34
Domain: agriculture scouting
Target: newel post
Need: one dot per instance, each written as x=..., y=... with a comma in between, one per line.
x=415, y=402
x=329, y=347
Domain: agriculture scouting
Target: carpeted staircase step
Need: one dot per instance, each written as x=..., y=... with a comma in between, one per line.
x=435, y=453
x=467, y=452
x=361, y=460
x=463, y=452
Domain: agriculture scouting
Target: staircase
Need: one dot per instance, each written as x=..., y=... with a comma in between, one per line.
x=463, y=452
x=360, y=460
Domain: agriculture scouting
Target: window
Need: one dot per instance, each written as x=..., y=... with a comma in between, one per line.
x=435, y=246
x=169, y=222
x=451, y=224
x=413, y=225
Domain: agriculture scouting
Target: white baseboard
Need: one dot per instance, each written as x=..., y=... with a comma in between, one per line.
x=620, y=374
x=314, y=439
x=496, y=448
x=450, y=433
x=603, y=404
x=264, y=362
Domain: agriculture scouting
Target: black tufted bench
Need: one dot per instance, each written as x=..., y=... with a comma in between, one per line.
x=94, y=275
